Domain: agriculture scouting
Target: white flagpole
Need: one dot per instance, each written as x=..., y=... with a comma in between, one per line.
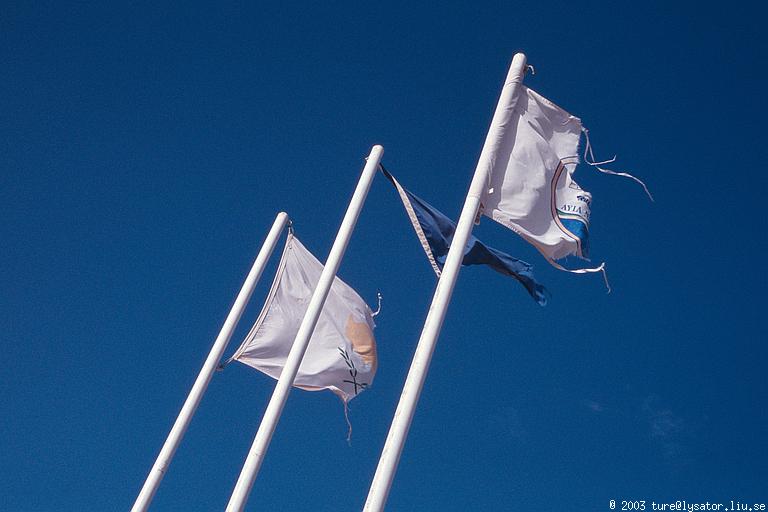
x=393, y=447
x=201, y=383
x=299, y=347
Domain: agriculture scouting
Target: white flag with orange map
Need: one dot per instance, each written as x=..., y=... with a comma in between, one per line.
x=341, y=355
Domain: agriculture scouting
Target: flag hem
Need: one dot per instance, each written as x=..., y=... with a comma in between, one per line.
x=414, y=221
x=267, y=301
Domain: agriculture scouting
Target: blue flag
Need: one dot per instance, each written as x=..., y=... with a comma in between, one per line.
x=435, y=232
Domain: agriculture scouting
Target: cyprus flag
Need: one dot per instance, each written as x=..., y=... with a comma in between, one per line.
x=341, y=355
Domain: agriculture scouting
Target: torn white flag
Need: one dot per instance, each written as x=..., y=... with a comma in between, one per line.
x=531, y=189
x=341, y=355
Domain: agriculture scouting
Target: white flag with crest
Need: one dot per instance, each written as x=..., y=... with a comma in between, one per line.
x=341, y=355
x=531, y=188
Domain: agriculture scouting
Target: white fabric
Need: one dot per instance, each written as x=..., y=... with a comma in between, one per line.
x=531, y=188
x=341, y=355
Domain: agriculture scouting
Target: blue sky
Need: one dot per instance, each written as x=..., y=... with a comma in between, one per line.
x=146, y=148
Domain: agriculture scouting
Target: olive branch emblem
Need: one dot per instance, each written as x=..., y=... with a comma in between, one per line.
x=352, y=371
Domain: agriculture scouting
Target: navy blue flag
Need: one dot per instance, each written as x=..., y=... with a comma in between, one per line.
x=435, y=232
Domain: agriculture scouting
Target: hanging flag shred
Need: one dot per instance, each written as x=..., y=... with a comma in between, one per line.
x=341, y=355
x=435, y=232
x=531, y=188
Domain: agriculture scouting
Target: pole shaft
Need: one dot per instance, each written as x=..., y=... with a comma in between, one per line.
x=209, y=367
x=398, y=431
x=299, y=347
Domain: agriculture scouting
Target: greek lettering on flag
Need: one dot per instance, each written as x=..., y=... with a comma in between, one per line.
x=341, y=355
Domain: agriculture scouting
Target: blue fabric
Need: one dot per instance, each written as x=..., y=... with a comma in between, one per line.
x=579, y=229
x=439, y=231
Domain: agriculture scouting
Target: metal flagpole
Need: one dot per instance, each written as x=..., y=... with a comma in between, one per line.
x=393, y=447
x=299, y=347
x=201, y=383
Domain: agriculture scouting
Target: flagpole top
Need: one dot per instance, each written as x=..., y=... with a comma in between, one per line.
x=516, y=69
x=376, y=151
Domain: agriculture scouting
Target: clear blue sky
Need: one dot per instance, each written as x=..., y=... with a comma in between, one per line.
x=145, y=150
